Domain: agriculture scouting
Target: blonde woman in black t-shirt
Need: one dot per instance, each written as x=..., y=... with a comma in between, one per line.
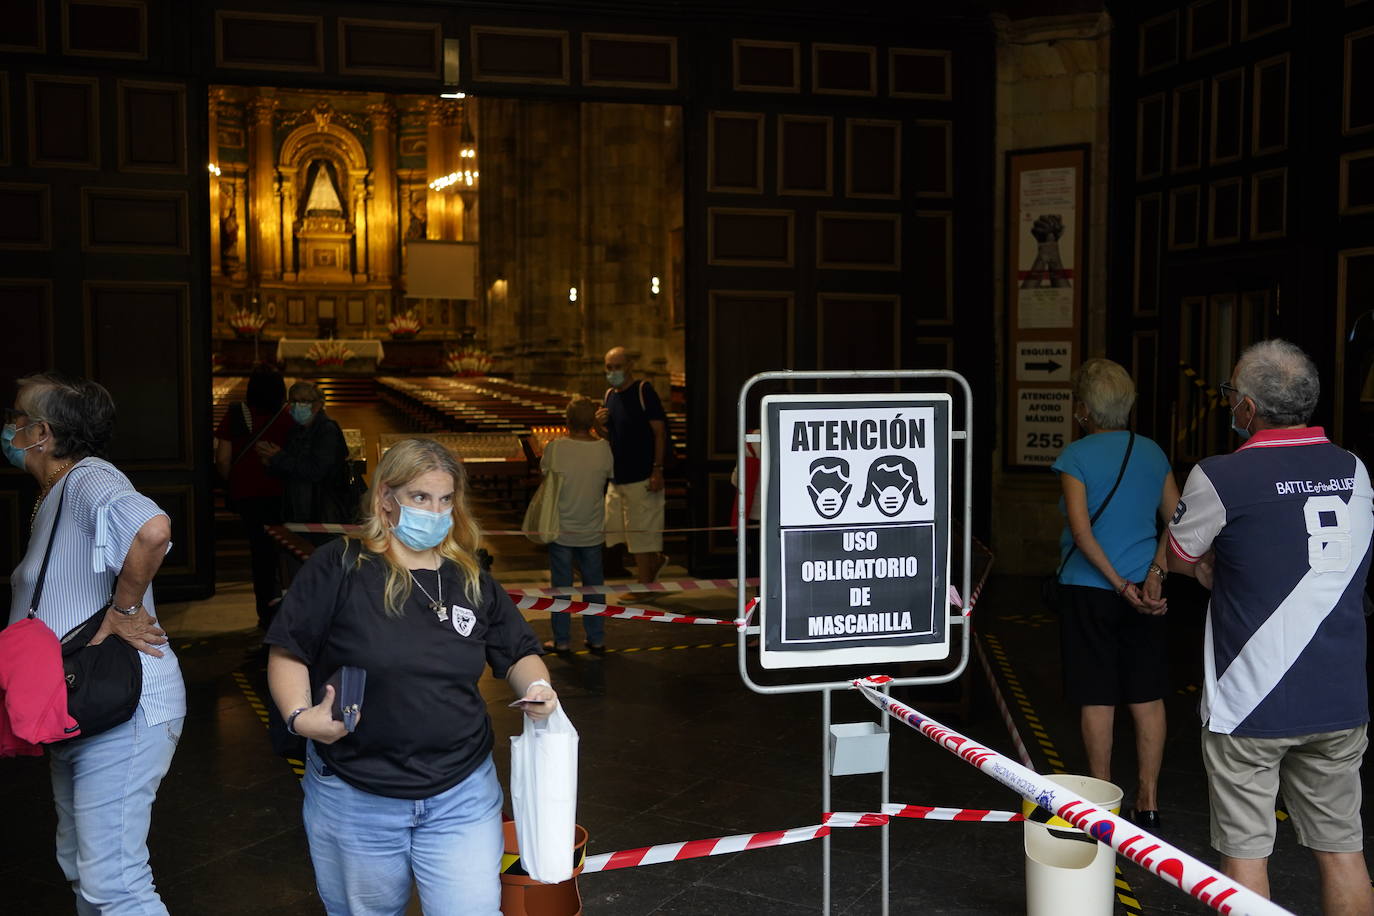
x=411, y=793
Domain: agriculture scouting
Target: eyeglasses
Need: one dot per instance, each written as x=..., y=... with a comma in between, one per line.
x=303, y=403
x=13, y=413
x=1227, y=389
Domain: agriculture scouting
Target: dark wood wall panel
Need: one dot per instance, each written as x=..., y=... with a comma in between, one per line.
x=121, y=220
x=105, y=28
x=1209, y=26
x=370, y=47
x=1150, y=135
x=854, y=331
x=1269, y=204
x=267, y=41
x=632, y=61
x=806, y=155
x=873, y=158
x=24, y=27
x=1359, y=82
x=1357, y=183
x=735, y=141
x=152, y=127
x=13, y=538
x=1149, y=239
x=766, y=66
x=124, y=318
x=1260, y=17
x=914, y=73
x=749, y=333
x=27, y=219
x=1184, y=206
x=933, y=261
x=64, y=123
x=179, y=504
x=934, y=169
x=1158, y=43
x=1228, y=116
x=859, y=241
x=844, y=69
x=504, y=55
x=750, y=238
x=26, y=346
x=1224, y=199
x=1187, y=145
x=5, y=143
x=1271, y=106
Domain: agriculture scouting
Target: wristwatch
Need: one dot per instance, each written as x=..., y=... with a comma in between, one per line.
x=127, y=611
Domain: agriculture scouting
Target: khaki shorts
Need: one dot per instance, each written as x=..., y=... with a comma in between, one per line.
x=1318, y=774
x=634, y=516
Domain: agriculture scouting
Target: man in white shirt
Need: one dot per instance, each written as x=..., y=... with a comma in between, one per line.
x=586, y=465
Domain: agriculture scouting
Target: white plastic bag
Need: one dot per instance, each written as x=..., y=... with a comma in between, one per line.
x=543, y=789
x=541, y=516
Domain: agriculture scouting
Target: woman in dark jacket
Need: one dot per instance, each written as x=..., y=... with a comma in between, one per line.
x=253, y=493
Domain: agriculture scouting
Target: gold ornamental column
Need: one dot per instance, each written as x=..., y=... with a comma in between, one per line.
x=383, y=221
x=434, y=167
x=264, y=216
x=453, y=142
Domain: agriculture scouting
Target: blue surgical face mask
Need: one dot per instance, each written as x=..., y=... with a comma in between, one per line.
x=301, y=413
x=420, y=529
x=616, y=378
x=14, y=453
x=1245, y=432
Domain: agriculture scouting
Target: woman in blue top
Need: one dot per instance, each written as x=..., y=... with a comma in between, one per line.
x=1112, y=633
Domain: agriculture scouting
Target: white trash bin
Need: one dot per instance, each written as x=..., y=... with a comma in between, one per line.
x=1068, y=873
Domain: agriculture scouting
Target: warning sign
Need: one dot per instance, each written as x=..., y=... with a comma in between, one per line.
x=1044, y=424
x=855, y=529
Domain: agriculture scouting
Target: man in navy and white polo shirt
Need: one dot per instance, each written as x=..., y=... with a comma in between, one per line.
x=1280, y=531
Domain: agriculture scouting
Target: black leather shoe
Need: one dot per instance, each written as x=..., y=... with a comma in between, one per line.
x=1149, y=820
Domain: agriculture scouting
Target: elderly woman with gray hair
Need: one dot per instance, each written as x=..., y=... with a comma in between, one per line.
x=108, y=541
x=1111, y=576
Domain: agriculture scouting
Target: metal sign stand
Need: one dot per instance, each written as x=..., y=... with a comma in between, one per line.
x=825, y=688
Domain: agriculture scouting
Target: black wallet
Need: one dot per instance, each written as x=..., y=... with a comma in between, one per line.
x=348, y=683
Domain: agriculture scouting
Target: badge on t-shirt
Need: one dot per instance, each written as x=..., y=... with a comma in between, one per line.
x=463, y=619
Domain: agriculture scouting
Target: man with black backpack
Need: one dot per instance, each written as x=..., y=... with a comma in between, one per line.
x=632, y=419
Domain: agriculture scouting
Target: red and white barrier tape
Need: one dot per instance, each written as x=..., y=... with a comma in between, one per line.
x=1199, y=880
x=743, y=622
x=670, y=585
x=620, y=612
x=1021, y=753
x=723, y=845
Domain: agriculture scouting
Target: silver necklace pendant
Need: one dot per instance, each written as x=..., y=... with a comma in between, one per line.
x=439, y=611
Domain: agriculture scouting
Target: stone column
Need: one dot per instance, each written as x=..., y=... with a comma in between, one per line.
x=383, y=221
x=264, y=215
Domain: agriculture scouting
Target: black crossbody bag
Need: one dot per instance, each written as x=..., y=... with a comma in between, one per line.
x=1049, y=586
x=105, y=681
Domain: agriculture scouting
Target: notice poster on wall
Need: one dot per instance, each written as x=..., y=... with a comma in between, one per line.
x=1044, y=424
x=854, y=529
x=1047, y=227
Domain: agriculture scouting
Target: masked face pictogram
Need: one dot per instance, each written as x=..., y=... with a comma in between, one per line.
x=891, y=482
x=829, y=486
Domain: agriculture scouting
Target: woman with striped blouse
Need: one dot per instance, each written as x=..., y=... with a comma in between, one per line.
x=110, y=543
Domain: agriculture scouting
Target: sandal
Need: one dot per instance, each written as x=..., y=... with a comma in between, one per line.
x=560, y=648
x=596, y=648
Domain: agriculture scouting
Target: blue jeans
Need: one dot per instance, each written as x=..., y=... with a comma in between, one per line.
x=103, y=788
x=366, y=847
x=588, y=559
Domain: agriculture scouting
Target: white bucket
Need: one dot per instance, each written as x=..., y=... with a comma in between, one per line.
x=1067, y=872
